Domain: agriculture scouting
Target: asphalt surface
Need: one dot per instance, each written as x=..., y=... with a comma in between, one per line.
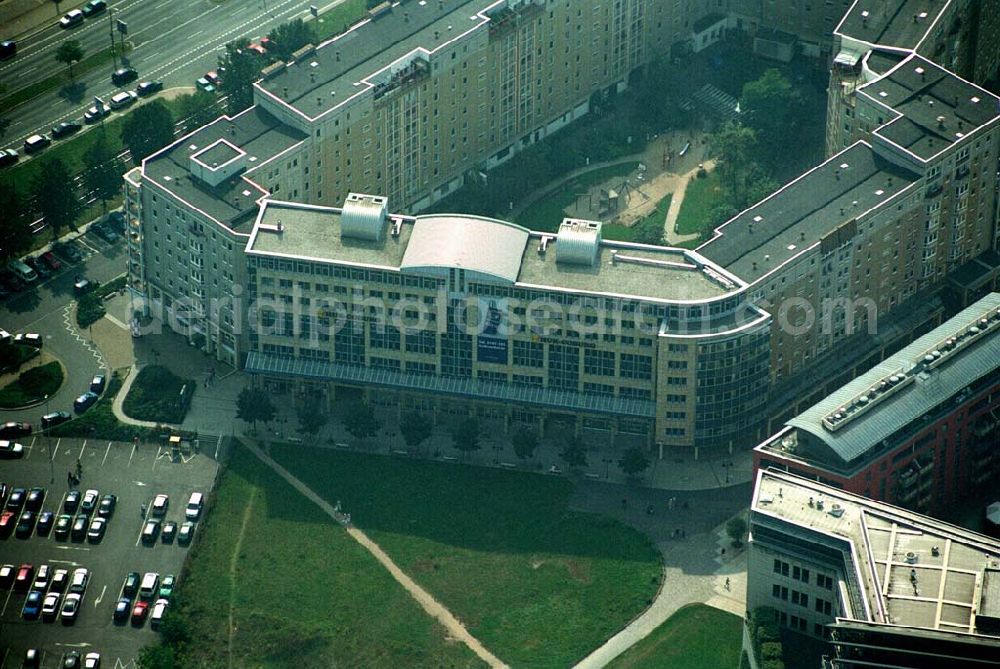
x=175, y=42
x=135, y=474
x=44, y=308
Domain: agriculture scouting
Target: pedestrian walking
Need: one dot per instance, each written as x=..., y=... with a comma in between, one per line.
x=142, y=510
x=727, y=583
x=79, y=468
x=69, y=478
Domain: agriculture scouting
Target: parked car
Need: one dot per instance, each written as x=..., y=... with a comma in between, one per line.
x=37, y=265
x=97, y=384
x=160, y=504
x=82, y=286
x=16, y=499
x=49, y=258
x=8, y=49
x=209, y=82
x=169, y=532
x=36, y=143
x=97, y=528
x=105, y=232
x=71, y=19
x=71, y=660
x=50, y=606
x=7, y=573
x=116, y=220
x=89, y=502
x=54, y=418
x=84, y=401
x=62, y=527
x=92, y=660
x=10, y=449
x=79, y=530
x=94, y=7
x=70, y=608
x=69, y=251
x=65, y=129
x=25, y=577
x=42, y=577
x=32, y=658
x=124, y=76
x=150, y=531
x=32, y=605
x=185, y=534
x=60, y=578
x=15, y=429
x=72, y=501
x=156, y=617
x=131, y=584
x=148, y=88
x=167, y=586
x=25, y=525
x=8, y=519
x=107, y=506
x=32, y=339
x=95, y=113
x=193, y=510
x=36, y=496
x=139, y=612
x=80, y=579
x=8, y=157
x=122, y=609
x=122, y=99
x=45, y=521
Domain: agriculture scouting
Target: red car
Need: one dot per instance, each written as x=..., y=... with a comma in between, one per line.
x=25, y=576
x=15, y=429
x=256, y=48
x=139, y=612
x=49, y=258
x=7, y=522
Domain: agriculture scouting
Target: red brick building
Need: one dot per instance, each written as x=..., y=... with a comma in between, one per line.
x=920, y=430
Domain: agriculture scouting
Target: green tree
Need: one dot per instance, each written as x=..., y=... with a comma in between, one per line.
x=15, y=233
x=147, y=130
x=288, y=38
x=736, y=527
x=253, y=404
x=633, y=461
x=732, y=146
x=360, y=421
x=525, y=442
x=573, y=453
x=55, y=196
x=242, y=67
x=416, y=428
x=69, y=53
x=197, y=110
x=101, y=173
x=771, y=106
x=466, y=435
x=312, y=415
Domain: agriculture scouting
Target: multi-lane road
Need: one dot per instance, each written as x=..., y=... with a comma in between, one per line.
x=172, y=41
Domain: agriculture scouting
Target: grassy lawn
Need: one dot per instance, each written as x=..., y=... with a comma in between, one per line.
x=304, y=593
x=100, y=422
x=338, y=19
x=546, y=214
x=538, y=584
x=12, y=356
x=32, y=385
x=696, y=637
x=22, y=95
x=647, y=230
x=700, y=198
x=156, y=395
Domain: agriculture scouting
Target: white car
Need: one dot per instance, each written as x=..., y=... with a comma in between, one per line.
x=95, y=113
x=72, y=18
x=123, y=99
x=92, y=661
x=156, y=617
x=50, y=606
x=71, y=607
x=78, y=584
x=11, y=449
x=160, y=504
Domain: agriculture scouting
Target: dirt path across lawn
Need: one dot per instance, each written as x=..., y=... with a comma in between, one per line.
x=232, y=572
x=434, y=608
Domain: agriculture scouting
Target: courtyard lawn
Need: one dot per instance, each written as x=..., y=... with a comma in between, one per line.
x=540, y=585
x=696, y=637
x=303, y=593
x=547, y=213
x=32, y=385
x=701, y=197
x=156, y=395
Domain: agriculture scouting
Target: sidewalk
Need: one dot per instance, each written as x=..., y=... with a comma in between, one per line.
x=20, y=18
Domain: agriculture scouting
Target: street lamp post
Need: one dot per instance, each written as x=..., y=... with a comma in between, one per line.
x=48, y=444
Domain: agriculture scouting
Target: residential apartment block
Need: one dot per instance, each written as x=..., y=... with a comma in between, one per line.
x=410, y=101
x=920, y=430
x=884, y=586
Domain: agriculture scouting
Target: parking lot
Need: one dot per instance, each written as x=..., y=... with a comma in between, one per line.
x=136, y=473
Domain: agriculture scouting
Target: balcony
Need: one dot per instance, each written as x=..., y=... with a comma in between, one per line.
x=197, y=262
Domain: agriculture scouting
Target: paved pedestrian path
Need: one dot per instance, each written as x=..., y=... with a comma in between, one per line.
x=434, y=608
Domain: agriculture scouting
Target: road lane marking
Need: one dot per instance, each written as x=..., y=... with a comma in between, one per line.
x=131, y=455
x=157, y=458
x=82, y=448
x=62, y=500
x=73, y=548
x=55, y=450
x=108, y=450
x=101, y=597
x=5, y=602
x=26, y=456
x=69, y=562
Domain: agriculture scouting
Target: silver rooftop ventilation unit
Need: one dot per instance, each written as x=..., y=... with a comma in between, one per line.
x=364, y=217
x=578, y=242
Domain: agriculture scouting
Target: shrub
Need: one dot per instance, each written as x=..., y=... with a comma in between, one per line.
x=771, y=650
x=772, y=664
x=157, y=394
